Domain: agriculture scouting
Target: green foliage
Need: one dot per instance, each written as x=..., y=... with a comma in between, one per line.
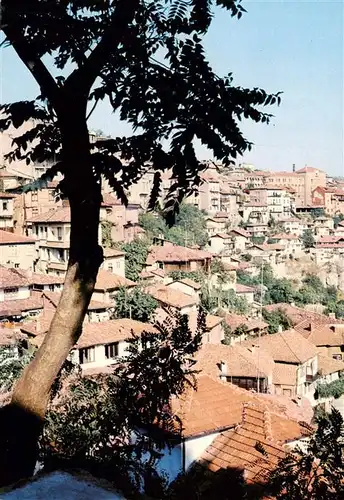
x=227, y=339
x=308, y=238
x=257, y=240
x=135, y=257
x=96, y=423
x=12, y=364
x=135, y=304
x=189, y=227
x=217, y=267
x=318, y=212
x=197, y=276
x=283, y=290
x=106, y=227
x=317, y=473
x=153, y=224
x=235, y=304
x=333, y=389
x=335, y=307
x=275, y=319
x=337, y=219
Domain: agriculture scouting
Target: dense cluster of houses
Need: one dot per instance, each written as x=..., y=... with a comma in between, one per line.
x=261, y=387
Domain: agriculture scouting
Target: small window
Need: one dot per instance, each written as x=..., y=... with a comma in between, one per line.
x=34, y=196
x=16, y=266
x=5, y=206
x=10, y=292
x=36, y=230
x=59, y=233
x=86, y=355
x=51, y=288
x=60, y=253
x=337, y=356
x=110, y=268
x=287, y=392
x=111, y=350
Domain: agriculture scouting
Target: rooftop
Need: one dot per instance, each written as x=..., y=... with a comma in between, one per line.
x=170, y=296
x=7, y=238
x=175, y=253
x=110, y=281
x=60, y=214
x=288, y=346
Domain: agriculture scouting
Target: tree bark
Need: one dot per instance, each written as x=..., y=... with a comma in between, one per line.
x=25, y=414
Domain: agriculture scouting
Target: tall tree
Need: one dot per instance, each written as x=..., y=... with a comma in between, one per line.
x=146, y=58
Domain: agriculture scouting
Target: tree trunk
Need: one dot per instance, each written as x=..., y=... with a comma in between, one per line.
x=24, y=417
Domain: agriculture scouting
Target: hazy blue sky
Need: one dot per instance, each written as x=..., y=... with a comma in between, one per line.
x=296, y=47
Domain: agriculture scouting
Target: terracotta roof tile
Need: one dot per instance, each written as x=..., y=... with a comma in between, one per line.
x=284, y=374
x=239, y=288
x=170, y=297
x=237, y=448
x=328, y=365
x=235, y=320
x=175, y=253
x=240, y=232
x=288, y=346
x=297, y=314
x=17, y=307
x=10, y=277
x=322, y=335
x=54, y=298
x=105, y=332
x=187, y=281
x=7, y=238
x=112, y=252
x=60, y=214
x=110, y=281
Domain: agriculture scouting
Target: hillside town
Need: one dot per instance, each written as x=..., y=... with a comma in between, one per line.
x=261, y=253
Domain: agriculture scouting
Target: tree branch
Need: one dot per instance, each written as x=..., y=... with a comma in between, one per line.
x=84, y=77
x=32, y=61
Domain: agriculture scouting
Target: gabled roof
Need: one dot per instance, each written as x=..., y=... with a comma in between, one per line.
x=235, y=320
x=287, y=347
x=7, y=238
x=297, y=314
x=112, y=252
x=321, y=335
x=240, y=232
x=11, y=277
x=175, y=253
x=239, y=288
x=19, y=306
x=54, y=298
x=216, y=406
x=187, y=281
x=328, y=365
x=110, y=281
x=170, y=297
x=238, y=448
x=55, y=215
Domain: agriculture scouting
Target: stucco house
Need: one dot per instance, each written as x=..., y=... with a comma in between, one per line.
x=17, y=251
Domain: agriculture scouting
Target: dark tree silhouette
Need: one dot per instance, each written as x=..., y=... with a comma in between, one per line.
x=147, y=60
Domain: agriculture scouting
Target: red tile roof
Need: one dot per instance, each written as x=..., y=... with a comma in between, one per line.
x=110, y=281
x=54, y=298
x=40, y=278
x=321, y=335
x=7, y=238
x=170, y=297
x=60, y=214
x=235, y=320
x=217, y=406
x=187, y=281
x=175, y=253
x=240, y=232
x=239, y=448
x=105, y=332
x=112, y=252
x=11, y=277
x=7, y=196
x=239, y=288
x=297, y=314
x=288, y=346
x=328, y=365
x=17, y=307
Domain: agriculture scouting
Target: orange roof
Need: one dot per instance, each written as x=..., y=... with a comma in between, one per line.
x=240, y=232
x=105, y=332
x=288, y=346
x=60, y=214
x=110, y=281
x=7, y=238
x=239, y=448
x=112, y=252
x=321, y=335
x=11, y=277
x=235, y=320
x=284, y=374
x=18, y=306
x=328, y=365
x=307, y=169
x=7, y=196
x=175, y=253
x=40, y=278
x=297, y=314
x=54, y=298
x=285, y=236
x=216, y=406
x=189, y=282
x=170, y=297
x=239, y=362
x=239, y=288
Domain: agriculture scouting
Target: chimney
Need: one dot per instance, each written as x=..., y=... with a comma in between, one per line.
x=332, y=315
x=280, y=329
x=223, y=370
x=294, y=169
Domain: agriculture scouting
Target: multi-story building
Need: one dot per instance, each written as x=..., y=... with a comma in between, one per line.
x=331, y=198
x=17, y=251
x=279, y=201
x=6, y=211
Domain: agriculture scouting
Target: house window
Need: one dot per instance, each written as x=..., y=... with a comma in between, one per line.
x=86, y=355
x=5, y=206
x=110, y=268
x=36, y=230
x=51, y=288
x=59, y=233
x=337, y=356
x=111, y=350
x=35, y=212
x=287, y=392
x=16, y=266
x=10, y=292
x=60, y=254
x=51, y=195
x=34, y=196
